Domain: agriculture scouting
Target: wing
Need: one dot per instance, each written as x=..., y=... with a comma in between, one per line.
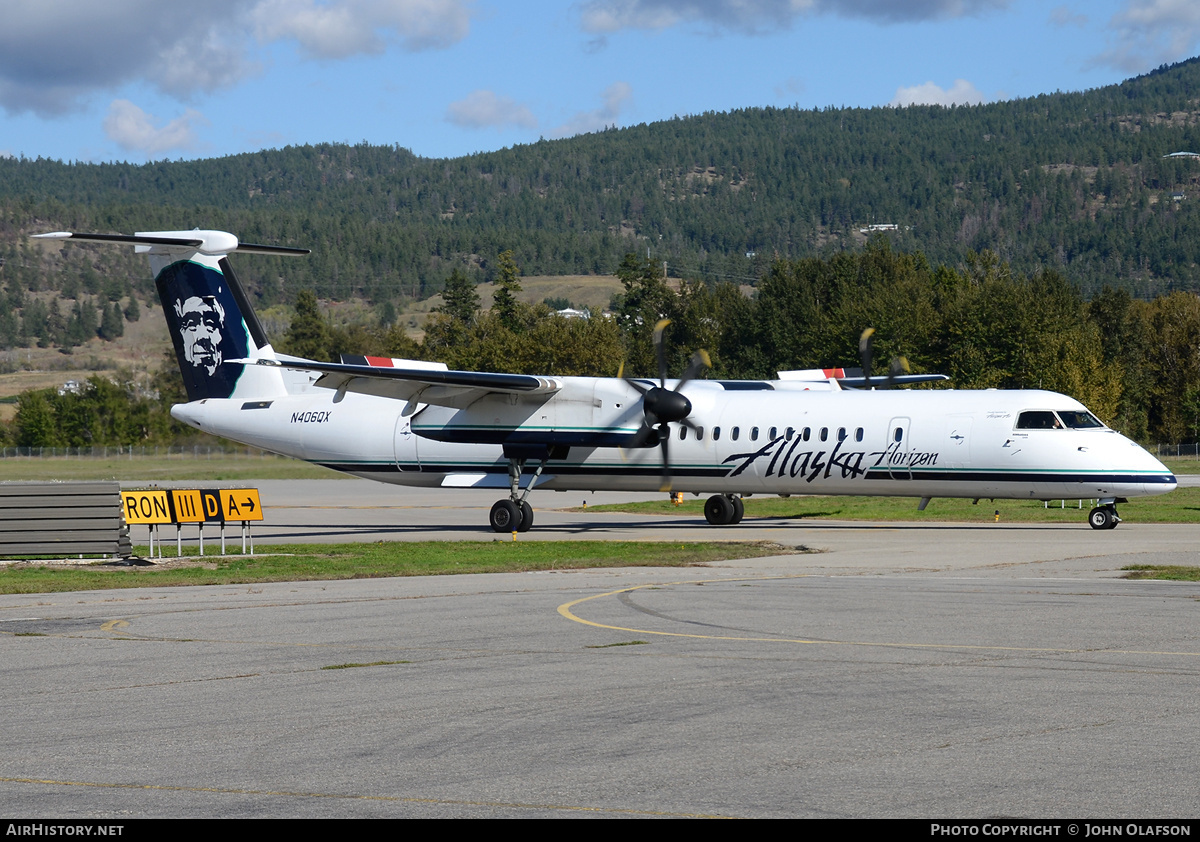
x=432, y=385
x=853, y=378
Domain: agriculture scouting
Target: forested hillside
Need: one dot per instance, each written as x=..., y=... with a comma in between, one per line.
x=1073, y=182
x=1049, y=242
x=1135, y=363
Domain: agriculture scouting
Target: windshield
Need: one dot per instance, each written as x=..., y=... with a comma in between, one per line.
x=1079, y=420
x=1044, y=419
x=1038, y=419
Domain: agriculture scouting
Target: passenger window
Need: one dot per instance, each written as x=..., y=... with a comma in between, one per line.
x=790, y=432
x=858, y=434
x=716, y=433
x=699, y=434
x=898, y=434
x=682, y=432
x=841, y=433
x=824, y=434
x=754, y=434
x=773, y=433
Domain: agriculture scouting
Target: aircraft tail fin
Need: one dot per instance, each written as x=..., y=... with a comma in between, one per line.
x=209, y=316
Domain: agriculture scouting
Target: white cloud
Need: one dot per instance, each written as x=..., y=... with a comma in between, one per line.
x=792, y=86
x=54, y=53
x=607, y=16
x=1065, y=16
x=1148, y=33
x=961, y=92
x=482, y=109
x=615, y=96
x=204, y=64
x=350, y=27
x=134, y=130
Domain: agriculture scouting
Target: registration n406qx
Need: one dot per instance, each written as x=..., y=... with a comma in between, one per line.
x=416, y=423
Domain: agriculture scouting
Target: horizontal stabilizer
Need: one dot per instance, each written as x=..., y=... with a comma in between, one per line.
x=205, y=242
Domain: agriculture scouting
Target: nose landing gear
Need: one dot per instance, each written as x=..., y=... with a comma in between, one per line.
x=1104, y=516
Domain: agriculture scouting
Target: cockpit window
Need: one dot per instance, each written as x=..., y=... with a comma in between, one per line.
x=1038, y=419
x=1078, y=420
x=1044, y=419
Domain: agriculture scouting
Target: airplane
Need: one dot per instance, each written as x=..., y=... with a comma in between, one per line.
x=807, y=432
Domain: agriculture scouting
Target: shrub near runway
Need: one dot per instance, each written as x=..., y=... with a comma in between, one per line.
x=304, y=562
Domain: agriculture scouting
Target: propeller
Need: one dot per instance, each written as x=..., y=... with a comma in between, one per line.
x=897, y=368
x=661, y=406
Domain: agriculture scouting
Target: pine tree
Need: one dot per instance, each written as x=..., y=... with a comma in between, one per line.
x=35, y=424
x=112, y=324
x=56, y=326
x=308, y=335
x=508, y=284
x=459, y=299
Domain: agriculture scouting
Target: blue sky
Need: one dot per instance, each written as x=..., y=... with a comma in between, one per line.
x=142, y=80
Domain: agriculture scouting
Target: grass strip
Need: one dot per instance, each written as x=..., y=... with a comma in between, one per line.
x=305, y=562
x=185, y=468
x=1180, y=506
x=1174, y=572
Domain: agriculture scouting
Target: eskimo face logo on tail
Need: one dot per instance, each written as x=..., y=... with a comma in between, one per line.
x=206, y=327
x=201, y=320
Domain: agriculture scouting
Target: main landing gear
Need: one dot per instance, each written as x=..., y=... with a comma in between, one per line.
x=723, y=509
x=515, y=514
x=1104, y=516
x=511, y=516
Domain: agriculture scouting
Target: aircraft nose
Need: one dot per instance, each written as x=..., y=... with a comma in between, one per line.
x=1167, y=483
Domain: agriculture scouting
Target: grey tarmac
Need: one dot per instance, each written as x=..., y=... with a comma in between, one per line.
x=922, y=671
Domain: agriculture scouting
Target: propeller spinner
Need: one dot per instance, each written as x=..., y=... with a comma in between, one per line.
x=662, y=406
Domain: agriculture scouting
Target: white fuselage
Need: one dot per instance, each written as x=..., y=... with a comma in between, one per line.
x=759, y=437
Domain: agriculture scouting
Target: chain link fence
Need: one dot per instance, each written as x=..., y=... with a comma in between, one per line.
x=1182, y=451
x=201, y=451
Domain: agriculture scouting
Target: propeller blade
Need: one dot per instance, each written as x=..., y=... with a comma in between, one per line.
x=643, y=436
x=864, y=354
x=699, y=363
x=642, y=388
x=629, y=411
x=898, y=367
x=664, y=438
x=660, y=351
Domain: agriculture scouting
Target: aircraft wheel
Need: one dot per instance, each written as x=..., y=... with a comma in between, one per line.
x=1101, y=517
x=526, y=517
x=718, y=510
x=505, y=516
x=739, y=509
